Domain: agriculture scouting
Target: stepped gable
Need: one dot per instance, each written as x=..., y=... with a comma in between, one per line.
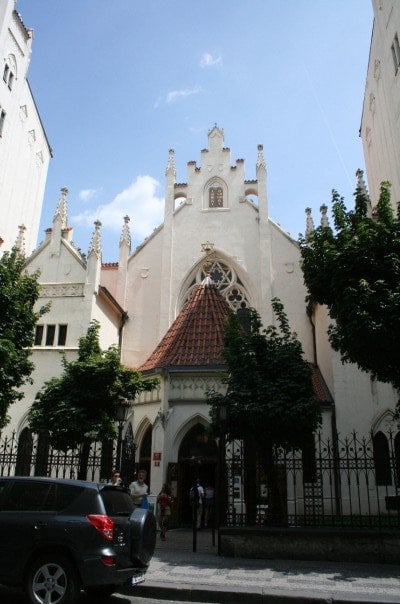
x=195, y=338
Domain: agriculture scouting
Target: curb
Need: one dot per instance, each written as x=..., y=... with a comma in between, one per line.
x=217, y=595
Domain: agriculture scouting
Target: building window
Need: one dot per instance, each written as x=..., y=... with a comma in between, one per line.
x=9, y=73
x=39, y=335
x=225, y=280
x=382, y=459
x=50, y=333
x=62, y=335
x=215, y=197
x=2, y=120
x=396, y=53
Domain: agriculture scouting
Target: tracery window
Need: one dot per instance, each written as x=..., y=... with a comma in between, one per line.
x=226, y=281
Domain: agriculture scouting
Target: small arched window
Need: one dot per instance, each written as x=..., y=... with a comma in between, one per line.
x=215, y=194
x=215, y=197
x=382, y=459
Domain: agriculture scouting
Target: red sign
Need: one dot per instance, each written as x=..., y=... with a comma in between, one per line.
x=156, y=456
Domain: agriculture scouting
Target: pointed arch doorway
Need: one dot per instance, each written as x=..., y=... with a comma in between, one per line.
x=197, y=458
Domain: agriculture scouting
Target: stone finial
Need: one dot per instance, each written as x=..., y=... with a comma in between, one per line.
x=324, y=218
x=125, y=235
x=363, y=189
x=95, y=244
x=61, y=210
x=260, y=158
x=208, y=249
x=171, y=169
x=309, y=222
x=20, y=241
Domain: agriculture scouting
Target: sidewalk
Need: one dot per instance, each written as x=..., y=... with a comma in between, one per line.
x=177, y=573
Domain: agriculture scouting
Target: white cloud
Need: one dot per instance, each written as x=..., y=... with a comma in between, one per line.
x=138, y=201
x=87, y=194
x=207, y=60
x=174, y=95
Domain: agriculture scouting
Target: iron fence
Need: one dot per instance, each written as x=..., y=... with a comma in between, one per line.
x=350, y=482
x=32, y=455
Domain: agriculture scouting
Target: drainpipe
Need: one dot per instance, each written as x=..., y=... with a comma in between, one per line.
x=124, y=318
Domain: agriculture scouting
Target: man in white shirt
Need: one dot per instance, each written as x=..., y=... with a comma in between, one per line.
x=138, y=488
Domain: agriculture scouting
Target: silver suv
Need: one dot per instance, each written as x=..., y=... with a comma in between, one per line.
x=61, y=536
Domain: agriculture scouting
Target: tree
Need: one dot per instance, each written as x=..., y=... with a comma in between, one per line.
x=18, y=295
x=80, y=406
x=269, y=399
x=355, y=271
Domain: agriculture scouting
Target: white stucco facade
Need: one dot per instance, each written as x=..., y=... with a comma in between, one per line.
x=380, y=122
x=137, y=300
x=24, y=149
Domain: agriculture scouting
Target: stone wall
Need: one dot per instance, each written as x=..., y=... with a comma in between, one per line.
x=311, y=544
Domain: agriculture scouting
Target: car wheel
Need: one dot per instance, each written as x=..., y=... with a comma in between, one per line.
x=100, y=592
x=52, y=579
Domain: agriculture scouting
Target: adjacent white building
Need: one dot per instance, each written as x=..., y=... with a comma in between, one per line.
x=24, y=148
x=380, y=124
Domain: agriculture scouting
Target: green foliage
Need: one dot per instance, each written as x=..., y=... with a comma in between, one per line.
x=18, y=295
x=269, y=396
x=355, y=272
x=81, y=404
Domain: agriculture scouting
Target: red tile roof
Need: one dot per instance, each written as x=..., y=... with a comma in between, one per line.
x=196, y=336
x=321, y=390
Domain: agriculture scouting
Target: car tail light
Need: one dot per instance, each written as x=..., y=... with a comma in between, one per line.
x=108, y=560
x=103, y=524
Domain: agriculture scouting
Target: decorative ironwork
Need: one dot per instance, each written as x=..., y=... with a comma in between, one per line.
x=342, y=486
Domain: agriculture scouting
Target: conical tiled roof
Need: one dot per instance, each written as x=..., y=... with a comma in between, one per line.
x=196, y=336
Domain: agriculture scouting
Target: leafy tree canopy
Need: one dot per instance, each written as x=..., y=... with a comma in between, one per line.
x=18, y=295
x=269, y=396
x=81, y=404
x=355, y=270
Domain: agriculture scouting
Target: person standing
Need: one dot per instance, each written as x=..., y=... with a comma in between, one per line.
x=196, y=499
x=164, y=501
x=208, y=503
x=116, y=479
x=139, y=489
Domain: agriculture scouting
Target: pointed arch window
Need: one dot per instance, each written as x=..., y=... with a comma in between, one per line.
x=397, y=456
x=24, y=454
x=381, y=459
x=215, y=194
x=226, y=281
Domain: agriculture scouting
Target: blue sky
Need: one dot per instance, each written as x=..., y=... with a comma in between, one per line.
x=119, y=82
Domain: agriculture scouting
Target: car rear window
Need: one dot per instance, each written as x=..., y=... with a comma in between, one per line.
x=32, y=496
x=27, y=496
x=117, y=502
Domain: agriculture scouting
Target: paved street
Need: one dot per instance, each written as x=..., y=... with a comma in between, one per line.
x=177, y=572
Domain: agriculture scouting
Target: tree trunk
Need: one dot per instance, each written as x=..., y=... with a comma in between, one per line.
x=84, y=459
x=250, y=483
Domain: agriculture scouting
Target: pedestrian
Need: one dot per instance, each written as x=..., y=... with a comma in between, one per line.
x=196, y=499
x=208, y=503
x=116, y=479
x=164, y=501
x=139, y=489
